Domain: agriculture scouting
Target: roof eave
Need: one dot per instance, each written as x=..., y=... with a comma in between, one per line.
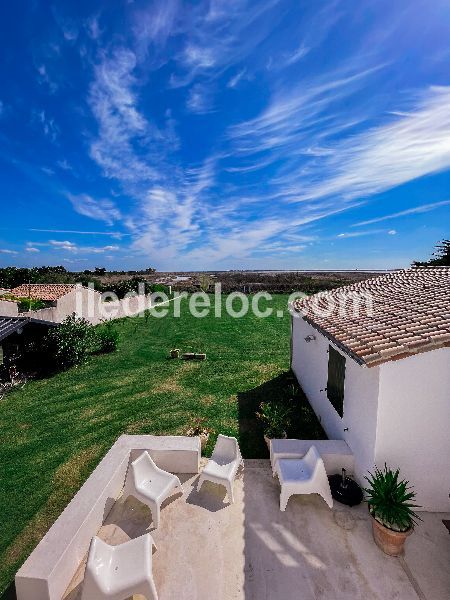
x=361, y=362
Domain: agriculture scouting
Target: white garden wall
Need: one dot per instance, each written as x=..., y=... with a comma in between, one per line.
x=88, y=303
x=310, y=365
x=414, y=424
x=8, y=308
x=49, y=569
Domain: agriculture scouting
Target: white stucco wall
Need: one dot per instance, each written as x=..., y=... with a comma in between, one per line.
x=414, y=424
x=8, y=308
x=87, y=303
x=310, y=365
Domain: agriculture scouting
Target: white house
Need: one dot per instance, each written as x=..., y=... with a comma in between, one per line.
x=373, y=359
x=64, y=299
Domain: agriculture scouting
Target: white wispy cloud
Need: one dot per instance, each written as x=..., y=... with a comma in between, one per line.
x=406, y=148
x=64, y=165
x=76, y=249
x=199, y=99
x=69, y=27
x=120, y=124
x=423, y=208
x=44, y=78
x=63, y=245
x=47, y=171
x=7, y=251
x=320, y=155
x=48, y=124
x=114, y=234
x=154, y=24
x=93, y=28
x=32, y=249
x=233, y=81
x=100, y=209
x=356, y=234
x=297, y=55
x=215, y=43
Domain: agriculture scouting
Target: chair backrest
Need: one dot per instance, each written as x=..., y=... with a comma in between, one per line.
x=226, y=448
x=142, y=466
x=100, y=555
x=313, y=459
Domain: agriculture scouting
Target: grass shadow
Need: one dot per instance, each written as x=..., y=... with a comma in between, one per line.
x=283, y=387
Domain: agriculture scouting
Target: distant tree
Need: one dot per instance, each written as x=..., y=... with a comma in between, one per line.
x=150, y=270
x=100, y=270
x=441, y=256
x=11, y=277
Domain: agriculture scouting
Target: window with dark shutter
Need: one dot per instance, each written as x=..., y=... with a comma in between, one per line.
x=336, y=378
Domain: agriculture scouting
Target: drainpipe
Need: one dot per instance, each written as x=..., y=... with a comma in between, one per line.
x=291, y=342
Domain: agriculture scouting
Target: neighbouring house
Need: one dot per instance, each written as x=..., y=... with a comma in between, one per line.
x=21, y=345
x=61, y=299
x=373, y=358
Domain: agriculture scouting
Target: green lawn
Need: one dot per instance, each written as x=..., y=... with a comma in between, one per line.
x=54, y=431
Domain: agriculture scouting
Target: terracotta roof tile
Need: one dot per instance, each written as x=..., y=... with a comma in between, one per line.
x=385, y=318
x=43, y=291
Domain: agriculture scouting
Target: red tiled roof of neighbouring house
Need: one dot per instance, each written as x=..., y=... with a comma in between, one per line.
x=43, y=291
x=410, y=314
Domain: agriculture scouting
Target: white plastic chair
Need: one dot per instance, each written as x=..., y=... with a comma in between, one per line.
x=118, y=572
x=223, y=464
x=150, y=484
x=305, y=475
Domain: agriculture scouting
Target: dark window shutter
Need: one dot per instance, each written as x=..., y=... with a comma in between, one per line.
x=336, y=378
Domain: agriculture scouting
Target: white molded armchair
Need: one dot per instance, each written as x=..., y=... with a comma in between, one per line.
x=305, y=475
x=150, y=484
x=223, y=464
x=118, y=572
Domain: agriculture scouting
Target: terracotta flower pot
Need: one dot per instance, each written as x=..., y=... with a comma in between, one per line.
x=267, y=439
x=391, y=542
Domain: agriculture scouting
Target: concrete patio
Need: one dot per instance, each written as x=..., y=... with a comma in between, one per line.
x=208, y=549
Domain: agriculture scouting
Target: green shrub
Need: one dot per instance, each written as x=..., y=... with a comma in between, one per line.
x=26, y=304
x=276, y=417
x=389, y=500
x=71, y=342
x=107, y=338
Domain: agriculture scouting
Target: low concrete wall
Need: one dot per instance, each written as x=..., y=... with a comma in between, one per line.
x=49, y=569
x=44, y=314
x=336, y=454
x=8, y=308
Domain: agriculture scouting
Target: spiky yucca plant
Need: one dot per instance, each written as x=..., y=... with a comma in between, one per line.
x=390, y=500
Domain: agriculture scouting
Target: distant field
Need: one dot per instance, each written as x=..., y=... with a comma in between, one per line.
x=55, y=431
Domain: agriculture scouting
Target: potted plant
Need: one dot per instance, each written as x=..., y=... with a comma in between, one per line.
x=276, y=417
x=174, y=353
x=198, y=429
x=393, y=517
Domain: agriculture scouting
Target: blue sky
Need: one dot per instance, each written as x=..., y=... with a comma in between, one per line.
x=224, y=134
